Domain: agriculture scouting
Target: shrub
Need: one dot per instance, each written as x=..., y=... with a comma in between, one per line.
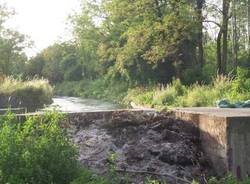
x=87, y=177
x=240, y=89
x=36, y=152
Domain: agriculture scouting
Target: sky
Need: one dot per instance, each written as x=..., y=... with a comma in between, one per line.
x=43, y=20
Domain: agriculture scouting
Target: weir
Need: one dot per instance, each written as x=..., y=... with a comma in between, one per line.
x=224, y=133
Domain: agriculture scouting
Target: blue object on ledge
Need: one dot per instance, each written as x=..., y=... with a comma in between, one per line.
x=226, y=104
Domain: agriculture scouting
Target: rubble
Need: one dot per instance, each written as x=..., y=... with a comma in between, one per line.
x=141, y=146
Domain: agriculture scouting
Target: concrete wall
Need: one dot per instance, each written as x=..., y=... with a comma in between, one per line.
x=109, y=117
x=239, y=146
x=225, y=137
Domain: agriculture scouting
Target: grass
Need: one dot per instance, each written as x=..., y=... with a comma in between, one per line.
x=31, y=94
x=196, y=95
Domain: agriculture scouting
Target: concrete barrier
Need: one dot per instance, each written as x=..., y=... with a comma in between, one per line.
x=13, y=110
x=225, y=137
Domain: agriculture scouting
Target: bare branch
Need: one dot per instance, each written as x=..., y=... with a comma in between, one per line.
x=214, y=22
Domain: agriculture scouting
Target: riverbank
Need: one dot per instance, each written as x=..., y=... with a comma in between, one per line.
x=114, y=91
x=31, y=94
x=174, y=94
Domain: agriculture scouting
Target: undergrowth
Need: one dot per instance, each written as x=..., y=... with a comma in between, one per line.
x=197, y=95
x=38, y=151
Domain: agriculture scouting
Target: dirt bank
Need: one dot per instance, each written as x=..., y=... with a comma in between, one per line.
x=139, y=146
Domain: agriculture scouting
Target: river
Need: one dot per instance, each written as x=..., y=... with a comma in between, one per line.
x=76, y=104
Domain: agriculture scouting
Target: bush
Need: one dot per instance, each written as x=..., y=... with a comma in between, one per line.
x=88, y=177
x=36, y=152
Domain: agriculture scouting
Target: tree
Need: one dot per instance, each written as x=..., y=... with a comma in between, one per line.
x=222, y=36
x=225, y=18
x=199, y=7
x=234, y=34
x=248, y=21
x=12, y=44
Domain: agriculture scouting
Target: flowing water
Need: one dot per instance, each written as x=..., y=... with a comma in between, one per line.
x=75, y=104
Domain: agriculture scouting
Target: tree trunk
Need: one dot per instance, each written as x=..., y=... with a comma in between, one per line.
x=225, y=10
x=235, y=36
x=219, y=62
x=199, y=4
x=248, y=21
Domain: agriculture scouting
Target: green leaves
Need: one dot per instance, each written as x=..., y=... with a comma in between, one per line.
x=36, y=152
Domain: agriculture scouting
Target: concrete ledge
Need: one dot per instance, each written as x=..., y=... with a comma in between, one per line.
x=225, y=137
x=92, y=115
x=14, y=110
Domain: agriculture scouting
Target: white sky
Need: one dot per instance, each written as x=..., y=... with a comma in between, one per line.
x=43, y=20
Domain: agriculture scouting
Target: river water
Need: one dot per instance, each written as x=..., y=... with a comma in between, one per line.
x=75, y=104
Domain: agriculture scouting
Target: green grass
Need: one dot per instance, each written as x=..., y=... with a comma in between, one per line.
x=31, y=94
x=196, y=95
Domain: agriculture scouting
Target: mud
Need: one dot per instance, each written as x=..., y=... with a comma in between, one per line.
x=137, y=147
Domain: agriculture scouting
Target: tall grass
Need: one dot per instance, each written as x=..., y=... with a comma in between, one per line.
x=31, y=94
x=196, y=95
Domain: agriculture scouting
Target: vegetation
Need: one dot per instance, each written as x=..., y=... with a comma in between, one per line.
x=122, y=49
x=12, y=45
x=99, y=89
x=149, y=42
x=175, y=94
x=178, y=95
x=141, y=52
x=31, y=94
x=38, y=151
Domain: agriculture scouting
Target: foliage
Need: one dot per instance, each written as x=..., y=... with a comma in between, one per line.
x=87, y=177
x=55, y=63
x=101, y=89
x=31, y=94
x=12, y=44
x=140, y=46
x=37, y=151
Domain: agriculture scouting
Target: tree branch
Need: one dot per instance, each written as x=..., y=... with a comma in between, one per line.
x=214, y=22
